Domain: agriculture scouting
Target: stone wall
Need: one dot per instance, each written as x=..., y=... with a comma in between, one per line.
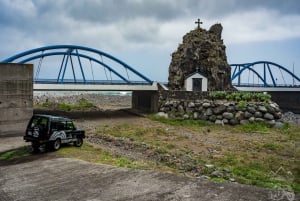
x=16, y=92
x=195, y=105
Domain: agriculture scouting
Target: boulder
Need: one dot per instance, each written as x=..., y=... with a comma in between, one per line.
x=191, y=105
x=258, y=114
x=268, y=116
x=228, y=115
x=196, y=115
x=262, y=109
x=212, y=118
x=219, y=122
x=180, y=109
x=230, y=108
x=225, y=121
x=259, y=120
x=233, y=122
x=244, y=121
x=206, y=105
x=208, y=112
x=247, y=115
x=186, y=116
x=162, y=114
x=219, y=109
x=250, y=109
x=239, y=115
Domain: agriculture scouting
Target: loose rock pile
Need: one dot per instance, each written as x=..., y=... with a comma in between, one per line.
x=290, y=117
x=99, y=100
x=223, y=112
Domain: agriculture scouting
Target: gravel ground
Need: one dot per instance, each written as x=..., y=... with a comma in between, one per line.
x=114, y=102
x=101, y=101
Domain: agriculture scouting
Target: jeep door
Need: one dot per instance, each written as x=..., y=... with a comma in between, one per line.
x=69, y=129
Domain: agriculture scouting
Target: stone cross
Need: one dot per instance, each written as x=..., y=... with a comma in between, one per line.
x=198, y=22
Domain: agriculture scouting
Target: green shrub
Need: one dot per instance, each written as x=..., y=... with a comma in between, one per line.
x=240, y=96
x=242, y=104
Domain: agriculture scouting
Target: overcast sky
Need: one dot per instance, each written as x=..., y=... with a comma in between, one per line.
x=144, y=33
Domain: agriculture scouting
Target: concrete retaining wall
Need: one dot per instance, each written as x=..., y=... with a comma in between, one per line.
x=16, y=95
x=287, y=100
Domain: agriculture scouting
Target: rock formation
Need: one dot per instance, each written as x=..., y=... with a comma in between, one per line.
x=204, y=51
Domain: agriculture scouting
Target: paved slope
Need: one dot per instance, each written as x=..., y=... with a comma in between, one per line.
x=71, y=179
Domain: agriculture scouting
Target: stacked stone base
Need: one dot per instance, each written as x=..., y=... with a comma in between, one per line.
x=222, y=111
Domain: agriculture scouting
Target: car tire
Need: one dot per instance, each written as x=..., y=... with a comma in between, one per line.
x=78, y=142
x=49, y=146
x=56, y=144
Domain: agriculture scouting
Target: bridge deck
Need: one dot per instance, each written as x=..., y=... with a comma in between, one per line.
x=262, y=89
x=94, y=87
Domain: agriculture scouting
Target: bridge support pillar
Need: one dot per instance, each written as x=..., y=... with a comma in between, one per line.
x=16, y=92
x=145, y=100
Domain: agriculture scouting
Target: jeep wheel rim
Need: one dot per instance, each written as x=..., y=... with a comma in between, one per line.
x=79, y=142
x=57, y=144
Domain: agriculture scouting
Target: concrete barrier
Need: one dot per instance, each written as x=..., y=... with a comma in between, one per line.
x=16, y=95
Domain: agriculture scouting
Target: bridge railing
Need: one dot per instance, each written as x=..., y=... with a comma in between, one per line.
x=262, y=85
x=87, y=82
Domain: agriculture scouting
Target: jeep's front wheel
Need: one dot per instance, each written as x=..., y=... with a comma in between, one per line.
x=56, y=144
x=78, y=142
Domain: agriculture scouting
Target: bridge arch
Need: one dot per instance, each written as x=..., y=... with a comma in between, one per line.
x=80, y=53
x=267, y=76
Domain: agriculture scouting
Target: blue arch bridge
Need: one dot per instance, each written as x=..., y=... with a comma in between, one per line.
x=71, y=67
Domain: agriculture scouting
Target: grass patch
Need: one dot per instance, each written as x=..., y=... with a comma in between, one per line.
x=15, y=153
x=252, y=152
x=96, y=155
x=262, y=173
x=272, y=146
x=179, y=122
x=254, y=127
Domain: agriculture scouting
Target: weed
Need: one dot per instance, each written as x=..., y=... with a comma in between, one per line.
x=15, y=153
x=238, y=96
x=218, y=180
x=242, y=104
x=254, y=127
x=272, y=146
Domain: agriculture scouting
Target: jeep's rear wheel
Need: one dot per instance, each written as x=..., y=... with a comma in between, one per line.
x=35, y=147
x=56, y=144
x=78, y=142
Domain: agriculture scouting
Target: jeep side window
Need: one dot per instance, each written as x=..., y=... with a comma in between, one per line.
x=60, y=125
x=43, y=123
x=70, y=125
x=54, y=126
